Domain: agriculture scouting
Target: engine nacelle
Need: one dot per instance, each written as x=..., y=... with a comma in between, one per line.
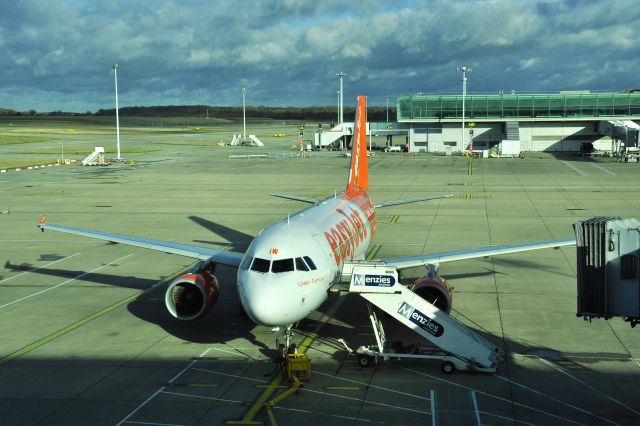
x=192, y=295
x=435, y=291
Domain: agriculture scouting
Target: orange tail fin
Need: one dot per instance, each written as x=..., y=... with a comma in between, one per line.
x=359, y=173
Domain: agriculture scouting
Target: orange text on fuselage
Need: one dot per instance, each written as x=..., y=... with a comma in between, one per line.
x=345, y=236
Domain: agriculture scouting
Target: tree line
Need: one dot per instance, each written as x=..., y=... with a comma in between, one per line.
x=321, y=113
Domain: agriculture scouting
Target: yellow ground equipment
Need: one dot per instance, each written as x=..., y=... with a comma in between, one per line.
x=298, y=367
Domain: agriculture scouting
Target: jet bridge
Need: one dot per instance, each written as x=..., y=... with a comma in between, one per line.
x=626, y=132
x=463, y=347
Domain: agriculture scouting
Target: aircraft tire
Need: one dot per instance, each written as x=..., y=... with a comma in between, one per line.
x=448, y=367
x=364, y=361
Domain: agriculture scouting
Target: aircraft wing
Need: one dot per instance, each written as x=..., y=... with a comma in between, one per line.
x=296, y=198
x=217, y=256
x=411, y=200
x=449, y=256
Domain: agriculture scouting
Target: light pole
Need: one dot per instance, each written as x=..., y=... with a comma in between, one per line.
x=62, y=157
x=464, y=70
x=387, y=110
x=115, y=73
x=244, y=117
x=341, y=75
x=338, y=92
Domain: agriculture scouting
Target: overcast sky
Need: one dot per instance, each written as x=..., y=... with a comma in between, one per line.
x=58, y=54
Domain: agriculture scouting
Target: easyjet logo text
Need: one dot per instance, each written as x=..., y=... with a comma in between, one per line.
x=346, y=235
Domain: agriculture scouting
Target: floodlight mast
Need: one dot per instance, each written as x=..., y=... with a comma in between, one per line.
x=341, y=75
x=338, y=92
x=244, y=116
x=115, y=73
x=464, y=71
x=387, y=110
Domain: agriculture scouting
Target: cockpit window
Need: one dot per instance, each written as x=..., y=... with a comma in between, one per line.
x=310, y=263
x=260, y=265
x=300, y=265
x=246, y=262
x=282, y=265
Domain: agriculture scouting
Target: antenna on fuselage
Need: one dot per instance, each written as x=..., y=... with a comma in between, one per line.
x=335, y=193
x=288, y=218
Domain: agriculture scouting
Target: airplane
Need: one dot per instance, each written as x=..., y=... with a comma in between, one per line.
x=290, y=266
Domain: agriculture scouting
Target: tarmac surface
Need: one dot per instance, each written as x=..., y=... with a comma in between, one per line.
x=85, y=338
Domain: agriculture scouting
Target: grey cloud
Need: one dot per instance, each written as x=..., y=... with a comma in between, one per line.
x=58, y=54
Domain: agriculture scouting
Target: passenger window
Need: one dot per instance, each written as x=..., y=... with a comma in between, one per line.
x=282, y=265
x=310, y=263
x=260, y=265
x=246, y=262
x=300, y=265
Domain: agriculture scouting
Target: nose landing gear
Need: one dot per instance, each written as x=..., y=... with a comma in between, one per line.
x=287, y=348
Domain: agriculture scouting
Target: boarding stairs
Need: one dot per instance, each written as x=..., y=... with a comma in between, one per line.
x=251, y=141
x=379, y=286
x=96, y=158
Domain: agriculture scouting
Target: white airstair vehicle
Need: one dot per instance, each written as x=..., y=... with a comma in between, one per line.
x=461, y=347
x=96, y=158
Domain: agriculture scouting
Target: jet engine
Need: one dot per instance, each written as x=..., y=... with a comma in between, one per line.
x=434, y=289
x=193, y=294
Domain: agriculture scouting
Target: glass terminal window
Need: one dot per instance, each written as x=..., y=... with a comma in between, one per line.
x=300, y=265
x=310, y=263
x=260, y=265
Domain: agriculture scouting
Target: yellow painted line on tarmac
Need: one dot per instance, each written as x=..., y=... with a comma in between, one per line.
x=249, y=418
x=470, y=166
x=85, y=320
x=266, y=386
x=394, y=220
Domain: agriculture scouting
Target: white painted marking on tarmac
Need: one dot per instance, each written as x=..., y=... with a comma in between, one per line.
x=202, y=397
x=499, y=398
x=236, y=352
x=63, y=283
x=598, y=357
x=229, y=375
x=354, y=419
x=434, y=417
x=146, y=401
x=35, y=269
x=609, y=397
x=476, y=414
x=140, y=406
x=155, y=424
x=554, y=399
x=574, y=168
x=375, y=165
x=397, y=407
x=603, y=169
x=520, y=422
x=367, y=384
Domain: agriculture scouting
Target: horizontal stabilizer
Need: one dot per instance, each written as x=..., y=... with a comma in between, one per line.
x=412, y=200
x=296, y=198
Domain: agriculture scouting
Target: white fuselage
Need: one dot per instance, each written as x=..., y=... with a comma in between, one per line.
x=290, y=265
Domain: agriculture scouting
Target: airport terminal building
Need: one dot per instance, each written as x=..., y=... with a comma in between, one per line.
x=564, y=121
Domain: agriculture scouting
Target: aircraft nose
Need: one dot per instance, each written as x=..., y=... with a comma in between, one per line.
x=265, y=303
